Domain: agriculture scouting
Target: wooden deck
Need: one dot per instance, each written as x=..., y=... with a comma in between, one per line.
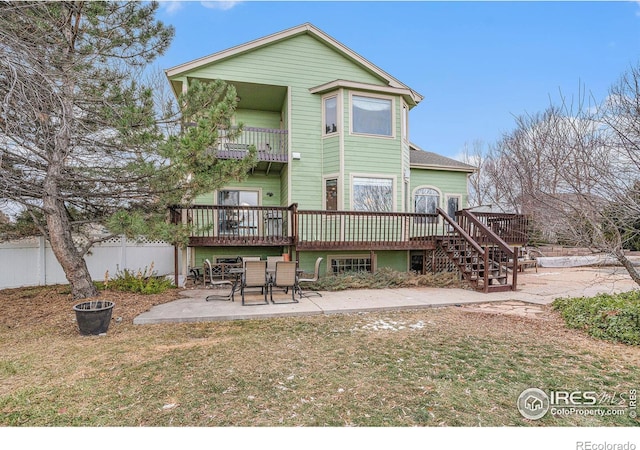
x=215, y=226
x=482, y=248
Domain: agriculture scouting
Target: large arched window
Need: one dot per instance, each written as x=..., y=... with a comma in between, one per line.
x=426, y=201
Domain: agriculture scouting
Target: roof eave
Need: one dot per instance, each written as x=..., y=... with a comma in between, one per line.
x=233, y=51
x=447, y=168
x=301, y=29
x=404, y=91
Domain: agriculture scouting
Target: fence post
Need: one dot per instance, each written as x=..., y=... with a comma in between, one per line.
x=123, y=252
x=42, y=261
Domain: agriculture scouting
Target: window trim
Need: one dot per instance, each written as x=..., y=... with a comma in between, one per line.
x=373, y=175
x=404, y=111
x=426, y=186
x=378, y=97
x=244, y=189
x=325, y=178
x=324, y=115
x=217, y=213
x=373, y=258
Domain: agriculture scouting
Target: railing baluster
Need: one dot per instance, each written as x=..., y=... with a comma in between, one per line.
x=258, y=225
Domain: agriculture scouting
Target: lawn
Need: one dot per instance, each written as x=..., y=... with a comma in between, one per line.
x=435, y=367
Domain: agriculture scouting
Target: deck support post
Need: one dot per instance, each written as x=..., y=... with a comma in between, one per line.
x=514, y=272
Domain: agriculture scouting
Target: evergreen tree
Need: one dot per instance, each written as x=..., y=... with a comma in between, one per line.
x=82, y=141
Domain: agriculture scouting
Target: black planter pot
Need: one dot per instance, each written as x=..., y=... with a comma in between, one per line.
x=93, y=317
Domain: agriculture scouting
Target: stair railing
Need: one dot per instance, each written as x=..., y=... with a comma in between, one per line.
x=502, y=254
x=470, y=241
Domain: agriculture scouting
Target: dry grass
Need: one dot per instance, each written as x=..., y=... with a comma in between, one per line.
x=439, y=367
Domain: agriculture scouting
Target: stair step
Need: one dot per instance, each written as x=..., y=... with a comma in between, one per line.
x=472, y=267
x=497, y=288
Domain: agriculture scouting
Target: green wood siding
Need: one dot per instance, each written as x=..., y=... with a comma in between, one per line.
x=396, y=260
x=331, y=155
x=406, y=196
x=448, y=183
x=259, y=119
x=211, y=253
x=284, y=187
x=258, y=181
x=299, y=63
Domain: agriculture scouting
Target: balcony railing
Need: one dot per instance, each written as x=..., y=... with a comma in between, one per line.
x=350, y=230
x=271, y=144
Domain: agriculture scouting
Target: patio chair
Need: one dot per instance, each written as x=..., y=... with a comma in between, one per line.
x=312, y=279
x=254, y=276
x=271, y=262
x=271, y=265
x=249, y=258
x=285, y=278
x=224, y=288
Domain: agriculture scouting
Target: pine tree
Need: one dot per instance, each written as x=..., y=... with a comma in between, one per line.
x=82, y=139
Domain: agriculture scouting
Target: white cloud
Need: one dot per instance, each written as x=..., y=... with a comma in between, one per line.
x=172, y=6
x=220, y=4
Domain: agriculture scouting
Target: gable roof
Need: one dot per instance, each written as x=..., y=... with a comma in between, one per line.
x=307, y=29
x=421, y=159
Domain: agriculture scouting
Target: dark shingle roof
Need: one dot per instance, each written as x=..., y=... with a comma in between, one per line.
x=430, y=160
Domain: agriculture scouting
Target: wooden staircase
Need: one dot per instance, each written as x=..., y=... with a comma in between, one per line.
x=480, y=255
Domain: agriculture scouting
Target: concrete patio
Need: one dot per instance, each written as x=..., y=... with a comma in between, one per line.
x=539, y=288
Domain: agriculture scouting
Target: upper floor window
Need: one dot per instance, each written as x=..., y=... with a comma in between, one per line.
x=372, y=115
x=330, y=115
x=372, y=194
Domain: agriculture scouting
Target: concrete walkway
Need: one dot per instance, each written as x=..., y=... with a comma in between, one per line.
x=539, y=288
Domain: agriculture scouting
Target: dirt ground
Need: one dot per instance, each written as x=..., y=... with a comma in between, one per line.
x=52, y=306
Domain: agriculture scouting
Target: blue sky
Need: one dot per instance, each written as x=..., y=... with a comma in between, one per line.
x=478, y=64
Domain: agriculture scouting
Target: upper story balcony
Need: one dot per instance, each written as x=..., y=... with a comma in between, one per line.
x=271, y=145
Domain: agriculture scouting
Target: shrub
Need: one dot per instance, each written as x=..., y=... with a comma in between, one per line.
x=142, y=282
x=610, y=317
x=383, y=278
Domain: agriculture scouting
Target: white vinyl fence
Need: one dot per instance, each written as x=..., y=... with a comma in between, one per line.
x=31, y=262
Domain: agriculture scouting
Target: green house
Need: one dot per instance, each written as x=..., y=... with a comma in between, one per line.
x=337, y=176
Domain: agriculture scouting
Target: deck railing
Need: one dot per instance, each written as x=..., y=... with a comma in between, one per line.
x=271, y=144
x=364, y=230
x=217, y=225
x=500, y=255
x=512, y=228
x=236, y=225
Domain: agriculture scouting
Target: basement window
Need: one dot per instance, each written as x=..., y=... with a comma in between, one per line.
x=345, y=264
